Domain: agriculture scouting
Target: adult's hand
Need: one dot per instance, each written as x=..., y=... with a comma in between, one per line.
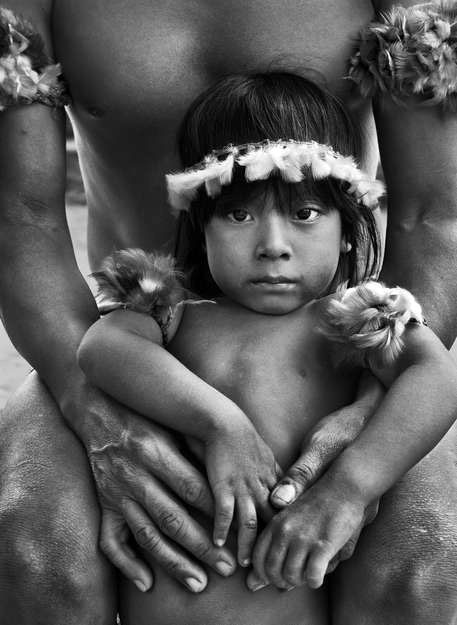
x=326, y=440
x=137, y=465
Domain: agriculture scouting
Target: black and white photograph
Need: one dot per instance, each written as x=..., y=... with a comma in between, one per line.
x=228, y=293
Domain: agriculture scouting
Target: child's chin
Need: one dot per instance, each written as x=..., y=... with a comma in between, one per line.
x=276, y=305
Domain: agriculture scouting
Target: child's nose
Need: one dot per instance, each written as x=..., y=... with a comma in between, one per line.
x=273, y=242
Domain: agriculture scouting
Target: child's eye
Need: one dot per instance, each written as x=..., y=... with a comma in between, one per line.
x=306, y=213
x=240, y=215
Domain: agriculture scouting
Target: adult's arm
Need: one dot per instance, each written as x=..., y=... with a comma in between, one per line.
x=47, y=307
x=419, y=157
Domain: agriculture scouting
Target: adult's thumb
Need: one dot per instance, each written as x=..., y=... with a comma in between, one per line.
x=297, y=479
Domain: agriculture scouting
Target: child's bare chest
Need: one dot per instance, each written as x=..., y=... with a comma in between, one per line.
x=278, y=369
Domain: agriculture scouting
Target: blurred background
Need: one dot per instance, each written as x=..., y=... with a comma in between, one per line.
x=13, y=368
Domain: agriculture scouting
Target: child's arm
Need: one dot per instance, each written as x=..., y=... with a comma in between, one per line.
x=122, y=354
x=418, y=409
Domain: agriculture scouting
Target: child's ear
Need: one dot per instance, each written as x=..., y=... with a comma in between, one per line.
x=346, y=246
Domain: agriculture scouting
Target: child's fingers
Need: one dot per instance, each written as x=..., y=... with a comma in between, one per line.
x=317, y=565
x=274, y=562
x=265, y=509
x=258, y=578
x=247, y=529
x=224, y=504
x=293, y=571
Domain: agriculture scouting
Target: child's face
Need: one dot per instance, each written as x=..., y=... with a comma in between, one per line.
x=273, y=261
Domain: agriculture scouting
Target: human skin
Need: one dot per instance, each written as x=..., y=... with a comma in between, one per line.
x=267, y=356
x=283, y=376
x=125, y=125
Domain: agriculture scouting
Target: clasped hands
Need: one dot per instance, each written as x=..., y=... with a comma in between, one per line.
x=144, y=484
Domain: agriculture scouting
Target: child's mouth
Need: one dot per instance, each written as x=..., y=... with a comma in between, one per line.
x=275, y=283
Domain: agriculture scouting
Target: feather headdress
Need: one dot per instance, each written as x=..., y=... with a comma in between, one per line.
x=292, y=160
x=26, y=73
x=370, y=319
x=410, y=51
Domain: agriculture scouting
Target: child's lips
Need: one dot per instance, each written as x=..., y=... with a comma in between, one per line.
x=274, y=283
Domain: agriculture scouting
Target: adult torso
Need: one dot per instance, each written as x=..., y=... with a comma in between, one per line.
x=133, y=68
x=279, y=370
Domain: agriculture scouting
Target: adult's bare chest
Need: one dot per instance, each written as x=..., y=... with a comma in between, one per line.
x=134, y=67
x=278, y=369
x=151, y=58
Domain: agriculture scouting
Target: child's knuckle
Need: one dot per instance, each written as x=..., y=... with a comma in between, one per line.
x=225, y=511
x=286, y=529
x=323, y=545
x=291, y=577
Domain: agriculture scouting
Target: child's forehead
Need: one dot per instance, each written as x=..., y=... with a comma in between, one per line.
x=275, y=189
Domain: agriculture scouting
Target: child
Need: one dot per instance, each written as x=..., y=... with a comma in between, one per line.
x=275, y=216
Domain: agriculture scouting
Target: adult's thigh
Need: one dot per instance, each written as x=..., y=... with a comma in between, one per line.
x=404, y=569
x=51, y=570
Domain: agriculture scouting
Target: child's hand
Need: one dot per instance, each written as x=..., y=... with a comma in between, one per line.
x=302, y=542
x=241, y=471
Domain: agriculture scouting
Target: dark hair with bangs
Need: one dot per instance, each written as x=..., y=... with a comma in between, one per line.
x=248, y=108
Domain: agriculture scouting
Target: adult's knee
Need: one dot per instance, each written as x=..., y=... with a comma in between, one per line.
x=407, y=578
x=51, y=570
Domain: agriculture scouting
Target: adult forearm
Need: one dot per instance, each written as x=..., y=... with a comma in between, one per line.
x=419, y=157
x=46, y=304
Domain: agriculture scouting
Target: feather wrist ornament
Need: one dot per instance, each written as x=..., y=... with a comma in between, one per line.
x=410, y=52
x=146, y=283
x=26, y=73
x=292, y=160
x=370, y=320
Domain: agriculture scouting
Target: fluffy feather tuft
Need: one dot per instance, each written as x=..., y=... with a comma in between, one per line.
x=410, y=51
x=370, y=320
x=136, y=280
x=26, y=73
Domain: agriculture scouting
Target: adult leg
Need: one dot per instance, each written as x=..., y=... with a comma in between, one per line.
x=404, y=569
x=51, y=571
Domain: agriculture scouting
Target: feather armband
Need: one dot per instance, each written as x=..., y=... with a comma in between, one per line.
x=26, y=73
x=410, y=51
x=147, y=283
x=369, y=320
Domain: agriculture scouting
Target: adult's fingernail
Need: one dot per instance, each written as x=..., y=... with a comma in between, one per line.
x=285, y=493
x=225, y=568
x=141, y=585
x=194, y=584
